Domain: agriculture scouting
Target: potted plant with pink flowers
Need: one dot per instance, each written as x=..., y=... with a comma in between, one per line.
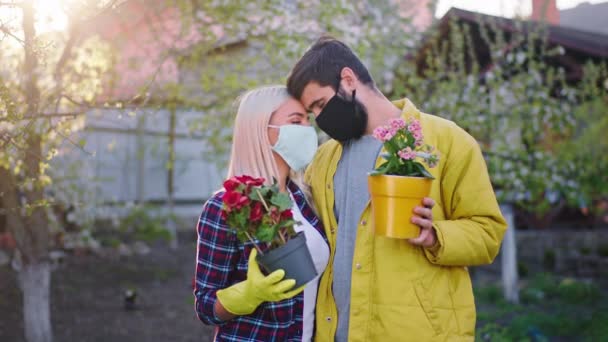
x=400, y=183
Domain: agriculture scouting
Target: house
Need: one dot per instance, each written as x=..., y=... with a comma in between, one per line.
x=586, y=17
x=133, y=138
x=572, y=49
x=578, y=46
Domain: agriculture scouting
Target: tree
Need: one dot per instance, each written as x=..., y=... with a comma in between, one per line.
x=522, y=109
x=584, y=151
x=38, y=82
x=49, y=79
x=274, y=39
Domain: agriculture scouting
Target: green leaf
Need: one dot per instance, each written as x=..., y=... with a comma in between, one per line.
x=392, y=146
x=281, y=200
x=274, y=187
x=255, y=193
x=265, y=233
x=288, y=223
x=381, y=170
x=242, y=217
x=422, y=171
x=240, y=234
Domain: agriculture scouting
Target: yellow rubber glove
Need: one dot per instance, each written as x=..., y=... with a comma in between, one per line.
x=244, y=297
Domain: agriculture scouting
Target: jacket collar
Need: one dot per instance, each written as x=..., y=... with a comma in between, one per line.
x=408, y=109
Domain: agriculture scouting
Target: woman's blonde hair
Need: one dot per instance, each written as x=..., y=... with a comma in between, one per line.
x=251, y=150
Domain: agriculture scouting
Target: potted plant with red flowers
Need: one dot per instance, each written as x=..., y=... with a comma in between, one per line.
x=399, y=184
x=262, y=215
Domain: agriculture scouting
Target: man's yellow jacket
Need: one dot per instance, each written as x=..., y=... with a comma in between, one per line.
x=400, y=292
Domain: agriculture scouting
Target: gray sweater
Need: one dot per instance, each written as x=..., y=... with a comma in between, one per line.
x=351, y=197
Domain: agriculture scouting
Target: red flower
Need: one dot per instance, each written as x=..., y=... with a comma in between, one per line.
x=250, y=181
x=231, y=199
x=257, y=212
x=258, y=182
x=231, y=184
x=244, y=179
x=286, y=215
x=243, y=201
x=275, y=214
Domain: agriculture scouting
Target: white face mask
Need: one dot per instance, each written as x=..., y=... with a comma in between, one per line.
x=297, y=145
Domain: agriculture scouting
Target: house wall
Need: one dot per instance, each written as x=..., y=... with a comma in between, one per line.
x=125, y=157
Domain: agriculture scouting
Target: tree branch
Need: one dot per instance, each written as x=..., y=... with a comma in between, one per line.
x=65, y=137
x=10, y=4
x=74, y=35
x=7, y=32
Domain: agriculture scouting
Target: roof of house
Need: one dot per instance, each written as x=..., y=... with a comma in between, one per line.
x=586, y=17
x=592, y=44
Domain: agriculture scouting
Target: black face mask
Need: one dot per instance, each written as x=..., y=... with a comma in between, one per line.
x=342, y=119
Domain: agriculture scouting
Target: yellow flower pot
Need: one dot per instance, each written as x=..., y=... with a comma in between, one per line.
x=393, y=201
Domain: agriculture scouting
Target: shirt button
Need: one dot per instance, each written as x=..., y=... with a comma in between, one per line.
x=333, y=230
x=328, y=319
x=363, y=223
x=358, y=266
x=328, y=186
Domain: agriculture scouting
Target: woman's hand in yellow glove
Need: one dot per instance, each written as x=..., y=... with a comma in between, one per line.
x=244, y=297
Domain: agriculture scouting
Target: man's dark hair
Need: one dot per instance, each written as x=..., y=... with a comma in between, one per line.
x=322, y=64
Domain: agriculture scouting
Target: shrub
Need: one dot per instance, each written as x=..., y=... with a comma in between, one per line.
x=489, y=294
x=144, y=225
x=549, y=260
x=602, y=250
x=522, y=269
x=575, y=292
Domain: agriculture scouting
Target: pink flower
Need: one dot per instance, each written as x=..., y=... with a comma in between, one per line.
x=414, y=126
x=397, y=124
x=379, y=133
x=390, y=133
x=407, y=154
x=384, y=133
x=418, y=136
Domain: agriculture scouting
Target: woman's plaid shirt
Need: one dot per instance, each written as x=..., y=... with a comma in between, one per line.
x=222, y=261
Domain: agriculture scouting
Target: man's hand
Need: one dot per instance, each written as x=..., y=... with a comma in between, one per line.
x=423, y=218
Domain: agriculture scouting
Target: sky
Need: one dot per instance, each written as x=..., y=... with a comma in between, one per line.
x=53, y=18
x=503, y=8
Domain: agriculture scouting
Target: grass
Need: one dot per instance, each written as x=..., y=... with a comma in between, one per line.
x=551, y=309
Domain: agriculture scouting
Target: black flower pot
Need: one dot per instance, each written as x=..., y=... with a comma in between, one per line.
x=294, y=258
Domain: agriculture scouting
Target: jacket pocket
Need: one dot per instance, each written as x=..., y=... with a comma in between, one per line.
x=425, y=303
x=396, y=323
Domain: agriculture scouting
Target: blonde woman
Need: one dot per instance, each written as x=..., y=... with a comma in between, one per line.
x=272, y=139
